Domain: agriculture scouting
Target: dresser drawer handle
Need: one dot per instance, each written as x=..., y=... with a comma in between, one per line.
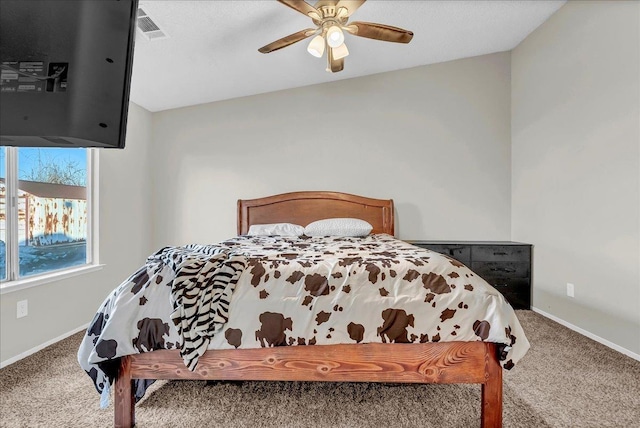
x=506, y=270
x=499, y=253
x=501, y=285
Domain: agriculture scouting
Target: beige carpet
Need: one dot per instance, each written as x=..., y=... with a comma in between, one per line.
x=566, y=380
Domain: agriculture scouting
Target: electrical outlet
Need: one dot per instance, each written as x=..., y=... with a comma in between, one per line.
x=570, y=290
x=22, y=309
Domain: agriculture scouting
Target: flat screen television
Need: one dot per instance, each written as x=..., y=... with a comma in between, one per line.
x=65, y=72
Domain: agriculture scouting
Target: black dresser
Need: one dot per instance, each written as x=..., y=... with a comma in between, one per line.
x=505, y=265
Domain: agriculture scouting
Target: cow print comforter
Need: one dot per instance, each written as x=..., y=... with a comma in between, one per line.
x=299, y=292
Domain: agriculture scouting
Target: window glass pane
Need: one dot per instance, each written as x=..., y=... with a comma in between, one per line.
x=52, y=209
x=3, y=214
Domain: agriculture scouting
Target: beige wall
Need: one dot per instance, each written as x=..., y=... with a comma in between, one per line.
x=435, y=138
x=576, y=165
x=125, y=240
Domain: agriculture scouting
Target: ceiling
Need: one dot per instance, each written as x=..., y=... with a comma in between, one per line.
x=211, y=53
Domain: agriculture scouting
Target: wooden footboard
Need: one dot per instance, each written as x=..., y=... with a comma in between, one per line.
x=446, y=362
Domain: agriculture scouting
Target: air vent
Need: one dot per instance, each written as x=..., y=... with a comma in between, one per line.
x=148, y=27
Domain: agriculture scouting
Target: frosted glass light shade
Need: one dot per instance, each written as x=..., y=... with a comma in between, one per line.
x=340, y=52
x=316, y=47
x=334, y=36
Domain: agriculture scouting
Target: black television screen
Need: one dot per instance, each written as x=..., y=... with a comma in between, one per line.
x=65, y=72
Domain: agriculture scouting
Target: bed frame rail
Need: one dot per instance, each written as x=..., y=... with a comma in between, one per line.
x=446, y=362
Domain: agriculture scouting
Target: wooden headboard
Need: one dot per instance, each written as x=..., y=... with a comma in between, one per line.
x=305, y=207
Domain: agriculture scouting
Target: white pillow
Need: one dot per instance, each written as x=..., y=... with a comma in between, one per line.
x=338, y=227
x=276, y=229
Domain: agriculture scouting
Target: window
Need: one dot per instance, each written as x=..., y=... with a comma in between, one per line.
x=45, y=211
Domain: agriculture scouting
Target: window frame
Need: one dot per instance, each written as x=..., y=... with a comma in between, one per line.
x=13, y=282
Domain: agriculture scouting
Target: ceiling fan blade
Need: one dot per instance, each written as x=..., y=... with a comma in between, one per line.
x=383, y=32
x=350, y=5
x=303, y=7
x=287, y=40
x=334, y=65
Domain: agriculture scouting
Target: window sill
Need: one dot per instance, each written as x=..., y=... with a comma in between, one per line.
x=22, y=284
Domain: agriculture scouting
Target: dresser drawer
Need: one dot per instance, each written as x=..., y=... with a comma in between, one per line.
x=517, y=291
x=515, y=285
x=491, y=253
x=502, y=269
x=518, y=300
x=462, y=253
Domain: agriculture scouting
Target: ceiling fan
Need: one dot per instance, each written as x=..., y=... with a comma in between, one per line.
x=330, y=18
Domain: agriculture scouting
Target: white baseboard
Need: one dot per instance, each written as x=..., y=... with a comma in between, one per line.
x=41, y=347
x=590, y=335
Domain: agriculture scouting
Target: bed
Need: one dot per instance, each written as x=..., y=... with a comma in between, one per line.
x=465, y=361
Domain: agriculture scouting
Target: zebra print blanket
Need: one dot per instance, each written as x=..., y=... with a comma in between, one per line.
x=205, y=277
x=200, y=279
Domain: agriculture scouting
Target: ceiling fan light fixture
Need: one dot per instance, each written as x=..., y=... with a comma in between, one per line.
x=316, y=47
x=331, y=20
x=340, y=52
x=335, y=37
